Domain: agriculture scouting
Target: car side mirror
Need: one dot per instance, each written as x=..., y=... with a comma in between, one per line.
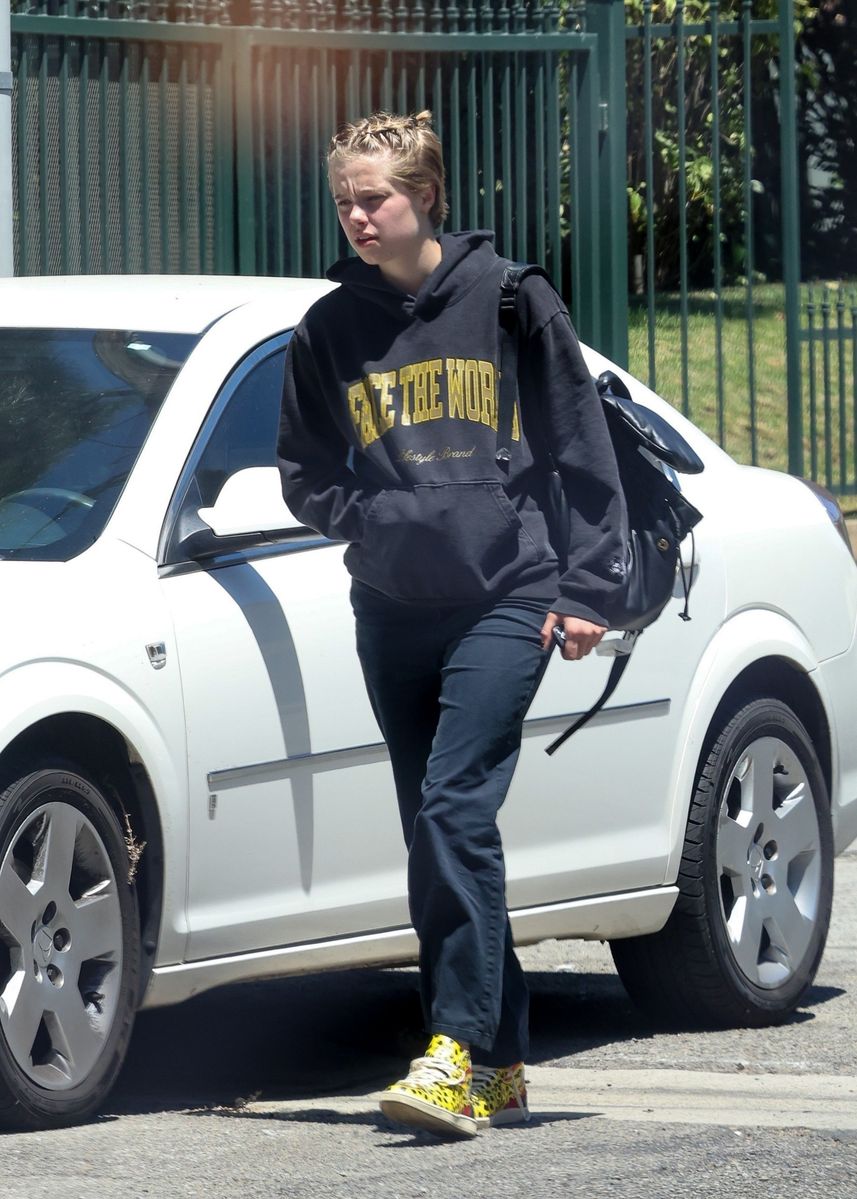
x=249, y=510
x=250, y=501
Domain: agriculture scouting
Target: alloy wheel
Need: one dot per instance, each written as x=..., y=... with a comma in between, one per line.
x=61, y=946
x=769, y=862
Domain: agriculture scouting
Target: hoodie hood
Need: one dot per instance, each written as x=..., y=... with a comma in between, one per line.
x=465, y=258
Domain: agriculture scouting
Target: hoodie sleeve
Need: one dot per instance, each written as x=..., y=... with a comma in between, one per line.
x=576, y=432
x=312, y=453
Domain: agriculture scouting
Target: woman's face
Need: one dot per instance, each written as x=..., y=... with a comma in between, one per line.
x=383, y=221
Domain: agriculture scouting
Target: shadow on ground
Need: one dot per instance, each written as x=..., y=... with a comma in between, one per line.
x=328, y=1033
x=337, y=1032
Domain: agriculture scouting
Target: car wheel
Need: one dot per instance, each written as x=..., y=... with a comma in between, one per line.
x=747, y=933
x=69, y=949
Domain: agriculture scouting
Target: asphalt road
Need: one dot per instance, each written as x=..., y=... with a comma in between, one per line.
x=267, y=1090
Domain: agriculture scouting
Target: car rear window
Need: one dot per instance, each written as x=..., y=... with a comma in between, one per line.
x=75, y=408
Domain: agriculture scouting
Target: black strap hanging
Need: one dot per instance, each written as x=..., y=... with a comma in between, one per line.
x=508, y=390
x=621, y=660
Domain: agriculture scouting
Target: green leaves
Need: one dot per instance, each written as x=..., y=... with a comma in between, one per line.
x=698, y=123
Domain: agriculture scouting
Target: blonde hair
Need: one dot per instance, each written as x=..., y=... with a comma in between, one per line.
x=409, y=142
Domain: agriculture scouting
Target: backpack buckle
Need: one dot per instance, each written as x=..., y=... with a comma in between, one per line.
x=508, y=290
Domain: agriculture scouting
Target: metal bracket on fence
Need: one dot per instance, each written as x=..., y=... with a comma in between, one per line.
x=5, y=83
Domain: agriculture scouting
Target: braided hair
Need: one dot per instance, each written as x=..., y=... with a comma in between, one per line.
x=410, y=145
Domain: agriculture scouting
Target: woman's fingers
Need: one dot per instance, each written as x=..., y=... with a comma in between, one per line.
x=552, y=621
x=581, y=636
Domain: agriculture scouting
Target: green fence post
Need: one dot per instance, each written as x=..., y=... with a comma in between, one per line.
x=791, y=233
x=7, y=253
x=606, y=18
x=245, y=64
x=586, y=271
x=223, y=150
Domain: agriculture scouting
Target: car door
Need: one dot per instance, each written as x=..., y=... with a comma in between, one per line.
x=294, y=834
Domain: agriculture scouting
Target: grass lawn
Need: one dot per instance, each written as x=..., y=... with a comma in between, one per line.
x=763, y=404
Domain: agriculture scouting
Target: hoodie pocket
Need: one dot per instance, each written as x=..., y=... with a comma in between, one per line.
x=442, y=542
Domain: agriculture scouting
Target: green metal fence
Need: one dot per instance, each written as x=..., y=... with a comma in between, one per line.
x=122, y=146
x=167, y=136
x=829, y=342
x=189, y=144
x=712, y=157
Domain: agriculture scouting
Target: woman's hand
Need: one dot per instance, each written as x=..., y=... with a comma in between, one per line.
x=581, y=636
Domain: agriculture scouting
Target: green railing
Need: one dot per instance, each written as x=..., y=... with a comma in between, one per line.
x=712, y=152
x=192, y=144
x=829, y=338
x=173, y=137
x=122, y=147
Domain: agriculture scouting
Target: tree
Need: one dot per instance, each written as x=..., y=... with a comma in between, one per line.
x=829, y=130
x=700, y=91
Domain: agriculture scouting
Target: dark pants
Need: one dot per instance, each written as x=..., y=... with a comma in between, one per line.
x=450, y=688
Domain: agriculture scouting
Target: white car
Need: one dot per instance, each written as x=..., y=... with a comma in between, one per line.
x=193, y=789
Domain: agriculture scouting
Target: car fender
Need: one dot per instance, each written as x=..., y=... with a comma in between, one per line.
x=744, y=638
x=35, y=691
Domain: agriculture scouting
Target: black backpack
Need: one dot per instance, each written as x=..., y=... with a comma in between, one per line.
x=659, y=516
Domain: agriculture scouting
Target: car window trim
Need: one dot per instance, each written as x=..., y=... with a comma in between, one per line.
x=286, y=542
x=293, y=541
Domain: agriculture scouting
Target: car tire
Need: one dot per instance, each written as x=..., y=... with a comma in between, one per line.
x=69, y=948
x=744, y=941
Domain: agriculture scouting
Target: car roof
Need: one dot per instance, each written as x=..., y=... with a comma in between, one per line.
x=165, y=303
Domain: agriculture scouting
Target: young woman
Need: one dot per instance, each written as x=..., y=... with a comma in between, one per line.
x=388, y=441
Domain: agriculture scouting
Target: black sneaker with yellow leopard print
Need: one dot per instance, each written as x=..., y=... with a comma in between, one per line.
x=499, y=1096
x=435, y=1096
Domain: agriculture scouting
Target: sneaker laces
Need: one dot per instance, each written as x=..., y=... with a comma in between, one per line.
x=485, y=1074
x=428, y=1071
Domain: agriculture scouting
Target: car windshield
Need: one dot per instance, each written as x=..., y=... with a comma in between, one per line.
x=75, y=408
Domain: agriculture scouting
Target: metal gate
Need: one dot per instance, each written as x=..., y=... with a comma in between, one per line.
x=829, y=371
x=183, y=146
x=176, y=136
x=711, y=98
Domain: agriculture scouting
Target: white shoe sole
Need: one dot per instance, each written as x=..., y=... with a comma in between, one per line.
x=419, y=1113
x=506, y=1116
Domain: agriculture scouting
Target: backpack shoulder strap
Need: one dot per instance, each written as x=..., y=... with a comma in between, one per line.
x=514, y=273
x=508, y=332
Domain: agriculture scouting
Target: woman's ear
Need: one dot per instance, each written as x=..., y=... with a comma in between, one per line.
x=427, y=198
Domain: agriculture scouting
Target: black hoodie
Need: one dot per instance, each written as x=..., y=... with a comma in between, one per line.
x=388, y=438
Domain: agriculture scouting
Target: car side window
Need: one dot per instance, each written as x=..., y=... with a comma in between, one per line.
x=240, y=434
x=246, y=433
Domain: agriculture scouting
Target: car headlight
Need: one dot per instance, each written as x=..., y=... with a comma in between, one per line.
x=831, y=507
